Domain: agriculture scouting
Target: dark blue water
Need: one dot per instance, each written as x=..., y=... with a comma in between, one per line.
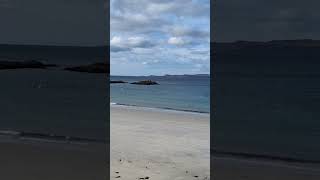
x=269, y=108
x=54, y=101
x=189, y=93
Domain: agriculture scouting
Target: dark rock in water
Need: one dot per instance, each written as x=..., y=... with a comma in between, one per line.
x=24, y=64
x=145, y=82
x=92, y=68
x=117, y=82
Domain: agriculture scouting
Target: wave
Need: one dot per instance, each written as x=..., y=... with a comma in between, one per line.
x=160, y=108
x=262, y=157
x=48, y=137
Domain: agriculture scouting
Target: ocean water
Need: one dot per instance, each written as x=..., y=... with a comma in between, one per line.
x=53, y=101
x=268, y=108
x=186, y=93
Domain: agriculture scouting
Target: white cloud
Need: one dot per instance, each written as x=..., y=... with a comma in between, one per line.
x=159, y=35
x=116, y=41
x=176, y=41
x=120, y=44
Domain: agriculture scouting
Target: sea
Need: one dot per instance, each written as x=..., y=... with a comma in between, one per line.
x=174, y=92
x=54, y=102
x=267, y=108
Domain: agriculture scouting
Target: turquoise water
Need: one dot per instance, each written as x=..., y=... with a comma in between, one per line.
x=187, y=93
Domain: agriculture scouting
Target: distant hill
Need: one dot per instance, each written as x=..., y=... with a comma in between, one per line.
x=272, y=57
x=277, y=50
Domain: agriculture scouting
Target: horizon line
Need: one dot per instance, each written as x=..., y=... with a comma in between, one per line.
x=207, y=74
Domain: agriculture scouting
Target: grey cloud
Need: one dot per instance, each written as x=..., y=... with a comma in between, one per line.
x=195, y=33
x=145, y=15
x=127, y=44
x=266, y=20
x=134, y=25
x=119, y=49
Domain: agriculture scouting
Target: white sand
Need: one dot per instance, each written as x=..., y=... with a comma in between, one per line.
x=161, y=145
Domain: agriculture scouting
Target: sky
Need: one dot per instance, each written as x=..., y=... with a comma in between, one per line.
x=265, y=20
x=157, y=37
x=53, y=22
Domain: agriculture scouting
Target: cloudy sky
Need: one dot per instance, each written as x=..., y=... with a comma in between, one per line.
x=156, y=37
x=264, y=20
x=53, y=22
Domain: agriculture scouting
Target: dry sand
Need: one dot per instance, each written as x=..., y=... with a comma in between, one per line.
x=159, y=144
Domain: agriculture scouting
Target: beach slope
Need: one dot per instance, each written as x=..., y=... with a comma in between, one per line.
x=159, y=144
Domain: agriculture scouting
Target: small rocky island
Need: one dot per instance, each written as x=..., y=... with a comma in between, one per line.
x=24, y=64
x=92, y=68
x=145, y=82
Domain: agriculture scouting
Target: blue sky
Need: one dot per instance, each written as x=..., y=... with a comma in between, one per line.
x=157, y=37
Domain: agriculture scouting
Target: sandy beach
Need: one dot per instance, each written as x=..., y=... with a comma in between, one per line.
x=32, y=160
x=159, y=144
x=166, y=145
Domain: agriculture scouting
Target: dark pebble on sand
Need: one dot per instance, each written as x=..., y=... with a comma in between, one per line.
x=196, y=176
x=117, y=172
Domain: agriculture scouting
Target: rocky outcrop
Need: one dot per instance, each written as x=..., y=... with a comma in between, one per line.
x=145, y=82
x=92, y=68
x=24, y=64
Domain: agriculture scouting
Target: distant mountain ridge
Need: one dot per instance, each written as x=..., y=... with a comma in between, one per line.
x=276, y=50
x=277, y=57
x=274, y=42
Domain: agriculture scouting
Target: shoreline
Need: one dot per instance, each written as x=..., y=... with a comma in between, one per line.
x=46, y=137
x=31, y=159
x=165, y=145
x=114, y=104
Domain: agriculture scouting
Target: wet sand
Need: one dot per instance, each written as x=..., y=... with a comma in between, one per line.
x=31, y=160
x=231, y=168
